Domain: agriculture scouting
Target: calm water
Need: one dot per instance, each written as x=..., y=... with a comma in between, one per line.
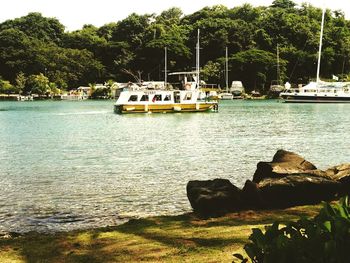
x=69, y=165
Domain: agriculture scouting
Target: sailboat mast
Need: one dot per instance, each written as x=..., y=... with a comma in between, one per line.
x=197, y=59
x=320, y=48
x=278, y=66
x=226, y=69
x=165, y=66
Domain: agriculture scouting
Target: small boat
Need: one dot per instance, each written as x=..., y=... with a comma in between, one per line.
x=255, y=95
x=225, y=96
x=237, y=89
x=186, y=98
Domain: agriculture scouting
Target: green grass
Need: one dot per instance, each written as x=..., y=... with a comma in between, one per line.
x=184, y=238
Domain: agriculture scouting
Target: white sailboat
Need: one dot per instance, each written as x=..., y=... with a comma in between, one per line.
x=319, y=91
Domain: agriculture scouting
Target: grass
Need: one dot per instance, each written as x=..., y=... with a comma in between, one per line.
x=184, y=238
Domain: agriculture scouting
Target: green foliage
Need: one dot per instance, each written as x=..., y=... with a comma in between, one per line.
x=38, y=84
x=34, y=44
x=6, y=87
x=325, y=238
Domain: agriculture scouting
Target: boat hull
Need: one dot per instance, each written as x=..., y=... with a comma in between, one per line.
x=314, y=99
x=165, y=108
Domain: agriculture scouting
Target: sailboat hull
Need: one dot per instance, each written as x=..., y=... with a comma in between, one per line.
x=314, y=99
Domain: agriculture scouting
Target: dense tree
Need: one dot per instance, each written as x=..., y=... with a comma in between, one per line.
x=34, y=45
x=37, y=26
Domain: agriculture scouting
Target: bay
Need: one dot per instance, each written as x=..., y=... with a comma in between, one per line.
x=73, y=165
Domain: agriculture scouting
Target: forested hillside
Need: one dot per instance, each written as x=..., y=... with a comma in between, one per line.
x=36, y=49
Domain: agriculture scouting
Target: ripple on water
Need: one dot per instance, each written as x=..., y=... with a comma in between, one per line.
x=73, y=165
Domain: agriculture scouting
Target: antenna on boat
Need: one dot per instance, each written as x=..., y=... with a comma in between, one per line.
x=320, y=47
x=165, y=66
x=197, y=59
x=226, y=69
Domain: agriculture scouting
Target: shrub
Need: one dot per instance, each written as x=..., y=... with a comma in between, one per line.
x=325, y=238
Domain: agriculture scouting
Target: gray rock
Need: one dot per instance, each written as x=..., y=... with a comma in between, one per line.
x=341, y=173
x=284, y=163
x=301, y=189
x=213, y=197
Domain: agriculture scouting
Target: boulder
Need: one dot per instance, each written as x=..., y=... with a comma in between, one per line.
x=283, y=164
x=341, y=173
x=251, y=196
x=297, y=189
x=213, y=197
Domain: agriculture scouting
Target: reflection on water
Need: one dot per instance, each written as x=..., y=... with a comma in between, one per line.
x=69, y=165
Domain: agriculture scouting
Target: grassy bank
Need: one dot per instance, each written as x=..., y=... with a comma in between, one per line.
x=184, y=238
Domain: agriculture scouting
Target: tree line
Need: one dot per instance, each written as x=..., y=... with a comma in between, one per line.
x=38, y=55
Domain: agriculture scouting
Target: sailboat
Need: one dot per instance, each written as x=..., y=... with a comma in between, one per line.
x=226, y=95
x=276, y=86
x=146, y=100
x=319, y=91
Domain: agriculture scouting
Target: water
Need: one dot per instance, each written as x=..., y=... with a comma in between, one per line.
x=74, y=165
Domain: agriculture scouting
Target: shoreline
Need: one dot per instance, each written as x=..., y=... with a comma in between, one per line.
x=156, y=239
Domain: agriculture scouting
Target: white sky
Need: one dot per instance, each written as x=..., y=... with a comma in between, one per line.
x=75, y=13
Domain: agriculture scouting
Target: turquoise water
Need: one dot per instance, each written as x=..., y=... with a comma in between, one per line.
x=73, y=165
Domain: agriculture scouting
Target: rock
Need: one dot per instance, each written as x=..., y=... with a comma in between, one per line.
x=341, y=173
x=213, y=197
x=301, y=189
x=284, y=163
x=251, y=195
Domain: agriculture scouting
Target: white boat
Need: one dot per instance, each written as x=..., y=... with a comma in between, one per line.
x=188, y=98
x=237, y=89
x=225, y=96
x=319, y=91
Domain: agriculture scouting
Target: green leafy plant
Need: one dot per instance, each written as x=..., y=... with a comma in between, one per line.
x=325, y=238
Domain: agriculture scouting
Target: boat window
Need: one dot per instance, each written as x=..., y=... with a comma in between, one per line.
x=157, y=97
x=176, y=97
x=188, y=96
x=167, y=97
x=133, y=98
x=144, y=98
x=346, y=90
x=335, y=91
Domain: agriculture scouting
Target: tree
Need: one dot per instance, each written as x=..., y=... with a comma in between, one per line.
x=20, y=82
x=37, y=26
x=38, y=84
x=6, y=87
x=283, y=4
x=253, y=66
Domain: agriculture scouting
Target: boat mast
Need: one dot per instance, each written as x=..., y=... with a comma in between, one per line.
x=197, y=59
x=278, y=67
x=165, y=66
x=320, y=47
x=226, y=69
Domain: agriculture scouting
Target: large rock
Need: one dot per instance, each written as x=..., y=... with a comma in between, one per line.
x=341, y=173
x=284, y=163
x=213, y=197
x=251, y=196
x=300, y=189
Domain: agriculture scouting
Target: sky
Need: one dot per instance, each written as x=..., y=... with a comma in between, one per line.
x=73, y=14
